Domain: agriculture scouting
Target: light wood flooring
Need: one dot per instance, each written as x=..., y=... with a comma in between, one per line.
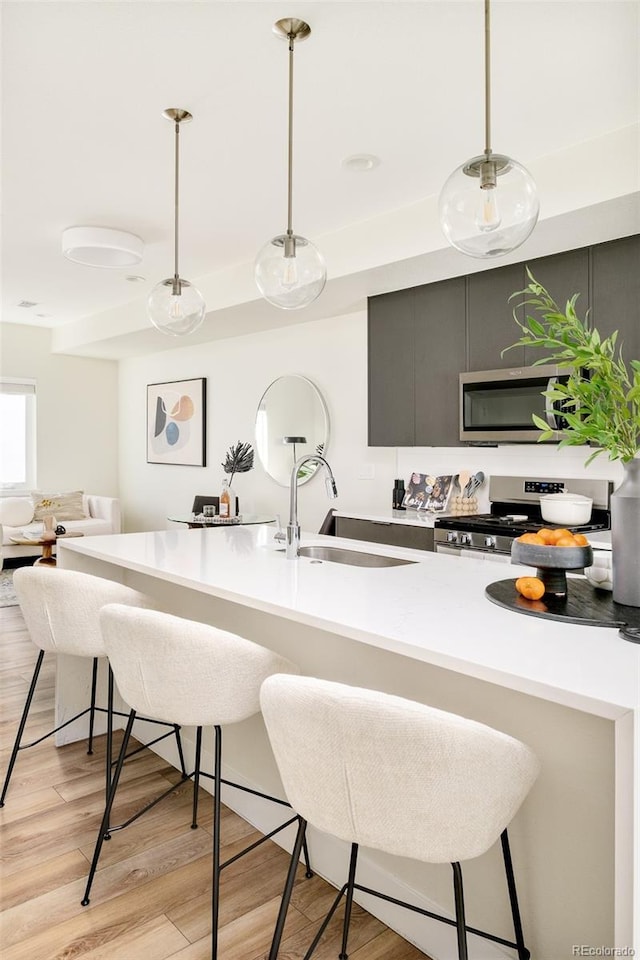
x=151, y=896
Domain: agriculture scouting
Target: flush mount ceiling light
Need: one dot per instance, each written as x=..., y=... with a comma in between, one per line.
x=290, y=272
x=489, y=205
x=175, y=306
x=101, y=247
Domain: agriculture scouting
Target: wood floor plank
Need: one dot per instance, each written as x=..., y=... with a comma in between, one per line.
x=156, y=939
x=176, y=870
x=45, y=876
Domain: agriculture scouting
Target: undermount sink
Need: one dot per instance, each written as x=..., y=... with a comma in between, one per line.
x=352, y=557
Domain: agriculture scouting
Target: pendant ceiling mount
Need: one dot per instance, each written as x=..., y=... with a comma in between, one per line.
x=291, y=28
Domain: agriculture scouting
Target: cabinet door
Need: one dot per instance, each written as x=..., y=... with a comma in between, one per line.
x=440, y=355
x=390, y=370
x=615, y=288
x=562, y=275
x=490, y=318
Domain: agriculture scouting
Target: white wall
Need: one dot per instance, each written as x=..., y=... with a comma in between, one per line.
x=76, y=411
x=333, y=354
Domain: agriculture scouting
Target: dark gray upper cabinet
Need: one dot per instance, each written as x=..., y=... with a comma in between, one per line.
x=440, y=355
x=562, y=275
x=416, y=348
x=491, y=326
x=421, y=339
x=615, y=291
x=391, y=333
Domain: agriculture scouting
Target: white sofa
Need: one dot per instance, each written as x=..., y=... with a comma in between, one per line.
x=103, y=516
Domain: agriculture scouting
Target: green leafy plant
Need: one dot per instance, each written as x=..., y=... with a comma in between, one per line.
x=239, y=459
x=601, y=399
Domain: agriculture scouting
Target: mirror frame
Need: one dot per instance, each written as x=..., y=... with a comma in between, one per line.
x=310, y=469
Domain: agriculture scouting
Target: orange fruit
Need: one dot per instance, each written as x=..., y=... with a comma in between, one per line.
x=581, y=540
x=546, y=535
x=561, y=532
x=530, y=587
x=531, y=538
x=568, y=541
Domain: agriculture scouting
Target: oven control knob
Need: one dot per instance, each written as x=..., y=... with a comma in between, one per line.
x=490, y=543
x=465, y=539
x=452, y=537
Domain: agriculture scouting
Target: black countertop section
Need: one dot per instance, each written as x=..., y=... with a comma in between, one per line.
x=583, y=604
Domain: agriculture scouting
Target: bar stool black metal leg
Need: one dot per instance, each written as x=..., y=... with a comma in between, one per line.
x=523, y=953
x=109, y=760
x=460, y=918
x=104, y=826
x=307, y=861
x=215, y=899
x=23, y=723
x=196, y=778
x=300, y=841
x=92, y=708
x=343, y=955
x=183, y=769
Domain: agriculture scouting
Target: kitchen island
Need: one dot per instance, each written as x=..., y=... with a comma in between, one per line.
x=426, y=631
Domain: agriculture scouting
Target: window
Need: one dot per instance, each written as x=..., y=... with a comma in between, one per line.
x=17, y=435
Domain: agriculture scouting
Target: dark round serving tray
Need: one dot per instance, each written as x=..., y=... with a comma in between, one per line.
x=582, y=604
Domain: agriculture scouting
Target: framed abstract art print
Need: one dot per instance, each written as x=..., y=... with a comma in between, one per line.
x=176, y=422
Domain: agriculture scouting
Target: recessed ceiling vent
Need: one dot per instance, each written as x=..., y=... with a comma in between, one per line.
x=27, y=303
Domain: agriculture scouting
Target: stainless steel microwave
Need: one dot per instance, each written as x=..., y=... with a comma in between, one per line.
x=497, y=406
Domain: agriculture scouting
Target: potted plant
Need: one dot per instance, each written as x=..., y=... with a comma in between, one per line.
x=600, y=401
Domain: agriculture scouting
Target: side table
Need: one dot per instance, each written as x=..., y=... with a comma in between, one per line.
x=47, y=558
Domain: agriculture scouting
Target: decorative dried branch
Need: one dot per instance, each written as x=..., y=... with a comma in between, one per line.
x=239, y=459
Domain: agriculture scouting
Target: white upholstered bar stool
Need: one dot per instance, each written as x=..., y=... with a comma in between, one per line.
x=398, y=776
x=60, y=609
x=197, y=676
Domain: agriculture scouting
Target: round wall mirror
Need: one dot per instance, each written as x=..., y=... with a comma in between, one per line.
x=292, y=422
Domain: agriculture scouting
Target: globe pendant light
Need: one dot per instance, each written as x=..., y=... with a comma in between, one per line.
x=174, y=305
x=489, y=205
x=290, y=272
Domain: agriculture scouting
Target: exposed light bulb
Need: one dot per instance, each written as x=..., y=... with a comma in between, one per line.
x=488, y=215
x=290, y=272
x=175, y=310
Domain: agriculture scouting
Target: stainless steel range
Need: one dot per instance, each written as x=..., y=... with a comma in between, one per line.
x=514, y=510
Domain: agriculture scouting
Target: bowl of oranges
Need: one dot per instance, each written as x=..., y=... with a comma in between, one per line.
x=553, y=551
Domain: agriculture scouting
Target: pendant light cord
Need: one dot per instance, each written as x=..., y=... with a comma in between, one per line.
x=290, y=144
x=487, y=78
x=176, y=275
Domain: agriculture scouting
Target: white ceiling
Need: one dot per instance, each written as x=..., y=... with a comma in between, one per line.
x=84, y=85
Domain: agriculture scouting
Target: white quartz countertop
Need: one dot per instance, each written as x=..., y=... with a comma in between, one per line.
x=433, y=610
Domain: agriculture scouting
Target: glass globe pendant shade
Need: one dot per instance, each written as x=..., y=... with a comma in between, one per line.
x=488, y=206
x=176, y=308
x=290, y=272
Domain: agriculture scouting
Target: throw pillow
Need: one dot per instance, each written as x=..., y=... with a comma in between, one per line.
x=63, y=506
x=16, y=511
